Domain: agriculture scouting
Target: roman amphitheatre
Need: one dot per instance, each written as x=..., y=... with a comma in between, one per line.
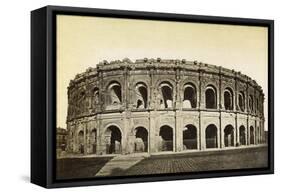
x=162, y=105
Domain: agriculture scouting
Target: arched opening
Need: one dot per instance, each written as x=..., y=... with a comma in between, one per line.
x=241, y=101
x=252, y=135
x=141, y=141
x=211, y=136
x=114, y=140
x=189, y=96
x=228, y=99
x=167, y=95
x=95, y=97
x=166, y=134
x=81, y=102
x=251, y=104
x=81, y=142
x=229, y=136
x=141, y=93
x=115, y=93
x=242, y=135
x=93, y=141
x=257, y=105
x=210, y=97
x=189, y=137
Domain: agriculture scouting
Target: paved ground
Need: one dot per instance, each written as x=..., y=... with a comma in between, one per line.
x=167, y=163
x=229, y=159
x=69, y=168
x=119, y=164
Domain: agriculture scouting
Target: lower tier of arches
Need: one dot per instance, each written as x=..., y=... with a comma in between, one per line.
x=152, y=134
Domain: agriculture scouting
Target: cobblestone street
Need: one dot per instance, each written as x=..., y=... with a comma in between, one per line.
x=232, y=159
x=254, y=157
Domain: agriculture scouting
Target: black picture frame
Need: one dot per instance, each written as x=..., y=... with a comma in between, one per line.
x=43, y=94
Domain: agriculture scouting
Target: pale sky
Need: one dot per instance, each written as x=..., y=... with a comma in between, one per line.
x=83, y=42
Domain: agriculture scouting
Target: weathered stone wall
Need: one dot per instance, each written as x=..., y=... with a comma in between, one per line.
x=128, y=95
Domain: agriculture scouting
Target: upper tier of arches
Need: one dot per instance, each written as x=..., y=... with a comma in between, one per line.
x=168, y=87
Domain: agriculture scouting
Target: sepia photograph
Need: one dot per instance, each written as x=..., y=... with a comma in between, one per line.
x=138, y=97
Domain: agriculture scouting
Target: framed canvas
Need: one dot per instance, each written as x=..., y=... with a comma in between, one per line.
x=125, y=96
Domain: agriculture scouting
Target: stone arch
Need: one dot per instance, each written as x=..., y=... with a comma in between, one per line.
x=257, y=105
x=228, y=99
x=94, y=97
x=229, y=136
x=141, y=95
x=241, y=101
x=81, y=144
x=211, y=136
x=166, y=94
x=252, y=135
x=251, y=103
x=114, y=89
x=113, y=137
x=93, y=140
x=166, y=135
x=211, y=97
x=242, y=135
x=81, y=102
x=189, y=96
x=190, y=137
x=141, y=139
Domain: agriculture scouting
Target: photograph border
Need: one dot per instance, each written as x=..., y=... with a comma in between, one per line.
x=43, y=95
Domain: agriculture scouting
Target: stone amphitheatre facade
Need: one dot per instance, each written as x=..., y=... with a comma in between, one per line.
x=157, y=105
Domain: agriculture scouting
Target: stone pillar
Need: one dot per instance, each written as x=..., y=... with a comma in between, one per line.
x=237, y=130
x=220, y=133
x=221, y=137
x=153, y=141
x=248, y=131
x=85, y=137
x=203, y=141
x=179, y=131
x=198, y=132
x=125, y=134
x=234, y=136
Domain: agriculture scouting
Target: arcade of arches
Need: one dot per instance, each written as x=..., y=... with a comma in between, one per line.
x=162, y=105
x=167, y=141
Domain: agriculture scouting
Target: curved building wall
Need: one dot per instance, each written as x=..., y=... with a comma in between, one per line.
x=154, y=105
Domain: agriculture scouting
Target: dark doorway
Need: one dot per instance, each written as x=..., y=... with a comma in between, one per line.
x=210, y=95
x=166, y=133
x=241, y=102
x=242, y=135
x=211, y=136
x=229, y=136
x=114, y=146
x=81, y=142
x=252, y=135
x=141, y=95
x=93, y=140
x=189, y=137
x=141, y=142
x=115, y=93
x=189, y=98
x=167, y=94
x=228, y=100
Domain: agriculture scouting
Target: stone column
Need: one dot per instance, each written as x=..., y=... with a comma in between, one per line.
x=202, y=137
x=220, y=133
x=179, y=131
x=152, y=138
x=237, y=131
x=234, y=136
x=85, y=138
x=248, y=131
x=221, y=136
